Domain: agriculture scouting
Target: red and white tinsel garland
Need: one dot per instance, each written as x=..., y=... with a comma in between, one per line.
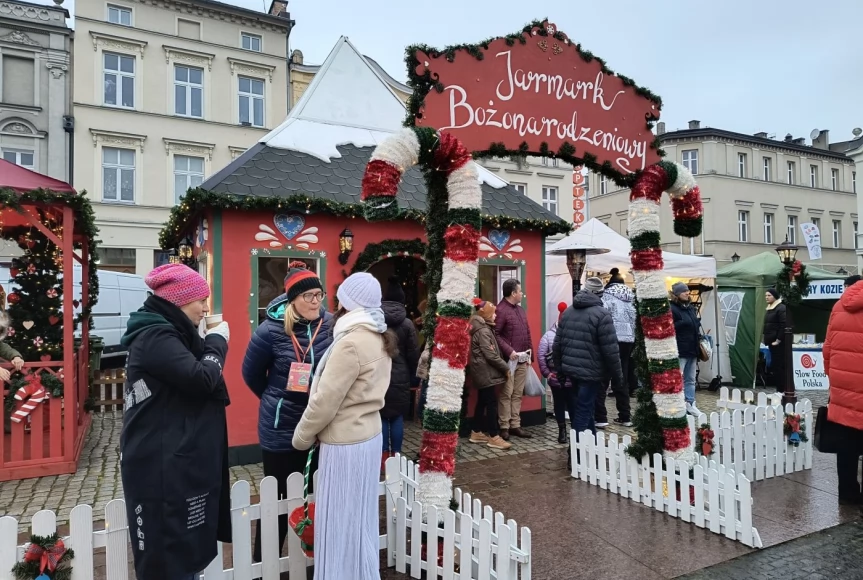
x=461, y=253
x=654, y=312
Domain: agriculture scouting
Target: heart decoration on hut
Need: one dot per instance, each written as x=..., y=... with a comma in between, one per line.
x=53, y=319
x=45, y=357
x=289, y=225
x=28, y=324
x=498, y=238
x=76, y=303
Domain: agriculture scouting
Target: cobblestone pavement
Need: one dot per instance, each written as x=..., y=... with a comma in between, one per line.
x=97, y=480
x=835, y=554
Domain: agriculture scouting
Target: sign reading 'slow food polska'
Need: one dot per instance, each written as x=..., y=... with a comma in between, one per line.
x=537, y=92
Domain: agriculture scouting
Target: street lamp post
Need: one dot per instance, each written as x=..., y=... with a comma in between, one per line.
x=788, y=254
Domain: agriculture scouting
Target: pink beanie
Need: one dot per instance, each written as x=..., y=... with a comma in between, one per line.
x=178, y=284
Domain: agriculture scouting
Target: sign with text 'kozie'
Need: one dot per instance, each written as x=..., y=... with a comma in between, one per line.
x=809, y=370
x=539, y=93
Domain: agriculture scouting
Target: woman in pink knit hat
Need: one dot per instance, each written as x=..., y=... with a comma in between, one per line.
x=174, y=445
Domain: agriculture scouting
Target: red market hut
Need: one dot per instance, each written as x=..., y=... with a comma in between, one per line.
x=45, y=422
x=295, y=195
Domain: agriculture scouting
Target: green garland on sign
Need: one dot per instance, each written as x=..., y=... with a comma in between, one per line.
x=645, y=420
x=197, y=200
x=792, y=283
x=85, y=223
x=374, y=253
x=423, y=84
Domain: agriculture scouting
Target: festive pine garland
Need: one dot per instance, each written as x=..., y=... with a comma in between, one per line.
x=374, y=253
x=455, y=199
x=795, y=429
x=704, y=442
x=792, y=283
x=46, y=557
x=654, y=314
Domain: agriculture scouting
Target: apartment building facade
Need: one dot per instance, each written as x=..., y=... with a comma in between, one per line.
x=164, y=94
x=35, y=87
x=756, y=191
x=547, y=181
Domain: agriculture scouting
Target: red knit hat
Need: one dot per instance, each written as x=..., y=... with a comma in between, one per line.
x=300, y=280
x=178, y=284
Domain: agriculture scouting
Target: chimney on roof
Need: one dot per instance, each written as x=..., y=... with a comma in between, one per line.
x=660, y=128
x=789, y=138
x=695, y=124
x=279, y=8
x=761, y=135
x=799, y=141
x=822, y=140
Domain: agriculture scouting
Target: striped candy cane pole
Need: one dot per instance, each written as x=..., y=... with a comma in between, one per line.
x=653, y=308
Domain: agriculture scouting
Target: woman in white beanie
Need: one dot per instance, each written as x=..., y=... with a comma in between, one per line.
x=346, y=396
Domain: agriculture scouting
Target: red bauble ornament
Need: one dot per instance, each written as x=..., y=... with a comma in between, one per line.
x=13, y=298
x=14, y=272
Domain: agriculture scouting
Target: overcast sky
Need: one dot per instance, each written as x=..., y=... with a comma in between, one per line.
x=780, y=66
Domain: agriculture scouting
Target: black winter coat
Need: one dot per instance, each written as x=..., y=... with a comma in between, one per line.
x=405, y=362
x=585, y=346
x=267, y=364
x=687, y=329
x=174, y=444
x=774, y=323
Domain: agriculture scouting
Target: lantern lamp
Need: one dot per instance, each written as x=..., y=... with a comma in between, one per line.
x=787, y=252
x=346, y=245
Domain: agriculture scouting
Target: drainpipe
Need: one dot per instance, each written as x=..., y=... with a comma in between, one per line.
x=69, y=128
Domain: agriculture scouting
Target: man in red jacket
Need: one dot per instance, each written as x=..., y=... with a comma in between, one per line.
x=513, y=337
x=843, y=359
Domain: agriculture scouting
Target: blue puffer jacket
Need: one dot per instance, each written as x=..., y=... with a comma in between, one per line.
x=265, y=370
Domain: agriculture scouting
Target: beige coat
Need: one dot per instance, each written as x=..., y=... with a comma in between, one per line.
x=349, y=389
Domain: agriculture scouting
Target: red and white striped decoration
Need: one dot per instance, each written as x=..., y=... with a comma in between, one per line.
x=29, y=397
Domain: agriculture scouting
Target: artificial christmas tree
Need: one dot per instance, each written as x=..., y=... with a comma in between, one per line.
x=36, y=330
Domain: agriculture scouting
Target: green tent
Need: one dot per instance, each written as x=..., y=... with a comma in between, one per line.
x=742, y=286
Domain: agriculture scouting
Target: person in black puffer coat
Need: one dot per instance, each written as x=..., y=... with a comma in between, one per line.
x=403, y=372
x=585, y=351
x=297, y=331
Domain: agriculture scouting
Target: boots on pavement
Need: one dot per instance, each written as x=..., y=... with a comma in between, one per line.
x=519, y=432
x=504, y=434
x=561, y=433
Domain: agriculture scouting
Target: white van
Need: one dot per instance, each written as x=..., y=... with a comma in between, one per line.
x=119, y=295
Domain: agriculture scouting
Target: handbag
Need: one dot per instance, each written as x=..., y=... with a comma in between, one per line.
x=302, y=518
x=705, y=347
x=832, y=437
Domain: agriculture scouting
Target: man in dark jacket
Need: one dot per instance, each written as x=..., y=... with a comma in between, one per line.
x=513, y=338
x=404, y=369
x=174, y=444
x=585, y=351
x=687, y=329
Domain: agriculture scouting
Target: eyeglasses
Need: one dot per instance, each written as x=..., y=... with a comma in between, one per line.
x=314, y=296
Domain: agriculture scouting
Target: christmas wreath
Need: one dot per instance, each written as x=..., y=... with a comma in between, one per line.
x=795, y=429
x=704, y=440
x=453, y=229
x=792, y=283
x=46, y=558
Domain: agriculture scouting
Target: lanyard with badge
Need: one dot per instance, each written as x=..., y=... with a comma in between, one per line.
x=300, y=372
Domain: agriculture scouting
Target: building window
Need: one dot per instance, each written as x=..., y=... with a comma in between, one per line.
x=549, y=198
x=117, y=260
x=491, y=278
x=20, y=157
x=741, y=165
x=189, y=91
x=545, y=161
x=856, y=243
x=837, y=233
x=817, y=223
x=520, y=187
x=690, y=160
x=271, y=274
x=119, y=75
x=251, y=42
x=19, y=81
x=768, y=228
x=792, y=229
x=188, y=29
x=603, y=185
x=118, y=174
x=768, y=165
x=743, y=226
x=251, y=102
x=188, y=172
x=854, y=181
x=813, y=176
x=119, y=15
x=792, y=170
x=555, y=162
x=834, y=179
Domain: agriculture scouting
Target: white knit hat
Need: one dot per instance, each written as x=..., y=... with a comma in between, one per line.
x=360, y=290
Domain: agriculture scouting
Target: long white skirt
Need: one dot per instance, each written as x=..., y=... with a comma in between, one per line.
x=347, y=545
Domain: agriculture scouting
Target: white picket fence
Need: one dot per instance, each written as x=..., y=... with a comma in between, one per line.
x=722, y=498
x=750, y=438
x=736, y=399
x=478, y=543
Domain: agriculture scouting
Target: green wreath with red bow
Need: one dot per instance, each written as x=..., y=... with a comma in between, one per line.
x=792, y=283
x=46, y=558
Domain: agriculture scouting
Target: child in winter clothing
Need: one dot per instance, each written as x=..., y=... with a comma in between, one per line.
x=562, y=392
x=487, y=370
x=7, y=352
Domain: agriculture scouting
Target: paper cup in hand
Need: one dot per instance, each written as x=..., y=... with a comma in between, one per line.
x=212, y=321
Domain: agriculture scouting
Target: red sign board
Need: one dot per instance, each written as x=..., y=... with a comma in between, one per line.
x=543, y=93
